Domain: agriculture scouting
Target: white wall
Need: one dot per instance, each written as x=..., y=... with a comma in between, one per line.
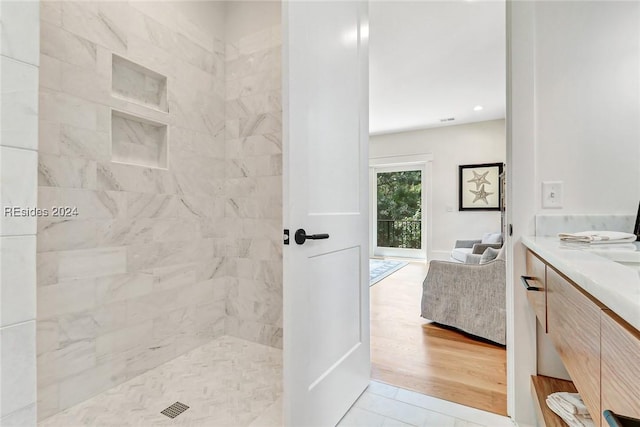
x=588, y=104
x=208, y=15
x=247, y=17
x=451, y=146
x=573, y=108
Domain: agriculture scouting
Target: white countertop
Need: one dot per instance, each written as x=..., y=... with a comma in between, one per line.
x=615, y=285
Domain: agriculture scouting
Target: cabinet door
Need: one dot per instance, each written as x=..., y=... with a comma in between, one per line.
x=536, y=270
x=620, y=375
x=573, y=321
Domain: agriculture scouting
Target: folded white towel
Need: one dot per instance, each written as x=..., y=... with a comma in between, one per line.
x=570, y=402
x=596, y=237
x=573, y=420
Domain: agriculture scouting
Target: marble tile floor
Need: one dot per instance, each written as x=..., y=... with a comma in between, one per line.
x=231, y=382
x=383, y=405
x=227, y=382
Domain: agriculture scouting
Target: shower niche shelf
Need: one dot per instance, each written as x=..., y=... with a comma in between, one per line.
x=138, y=141
x=134, y=83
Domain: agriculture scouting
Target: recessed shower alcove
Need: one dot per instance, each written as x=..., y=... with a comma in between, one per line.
x=135, y=83
x=138, y=141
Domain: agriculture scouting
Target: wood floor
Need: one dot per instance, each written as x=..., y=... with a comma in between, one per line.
x=410, y=352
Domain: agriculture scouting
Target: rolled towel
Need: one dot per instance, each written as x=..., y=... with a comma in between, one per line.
x=597, y=237
x=572, y=420
x=570, y=402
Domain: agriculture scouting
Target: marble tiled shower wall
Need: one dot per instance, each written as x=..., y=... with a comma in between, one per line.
x=254, y=186
x=141, y=274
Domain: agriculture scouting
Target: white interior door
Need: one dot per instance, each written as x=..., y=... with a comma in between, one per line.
x=326, y=294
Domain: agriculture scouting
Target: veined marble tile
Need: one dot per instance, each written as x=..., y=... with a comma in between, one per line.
x=20, y=418
x=100, y=22
x=66, y=361
x=18, y=370
x=83, y=143
x=65, y=46
x=151, y=56
x=254, y=331
x=119, y=177
x=143, y=257
x=170, y=230
x=551, y=225
x=67, y=109
x=66, y=172
x=92, y=262
x=48, y=398
x=18, y=277
x=19, y=99
x=125, y=231
x=46, y=268
x=89, y=324
x=122, y=287
x=261, y=124
x=48, y=137
x=51, y=12
x=19, y=26
x=143, y=26
x=194, y=54
x=91, y=382
x=50, y=72
x=61, y=235
x=84, y=83
x=63, y=298
x=89, y=204
x=174, y=276
x=48, y=337
x=146, y=205
x=259, y=145
x=19, y=189
x=111, y=345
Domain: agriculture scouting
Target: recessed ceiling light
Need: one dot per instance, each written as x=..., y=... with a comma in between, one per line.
x=477, y=108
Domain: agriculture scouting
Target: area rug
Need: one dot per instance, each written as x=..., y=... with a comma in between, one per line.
x=380, y=268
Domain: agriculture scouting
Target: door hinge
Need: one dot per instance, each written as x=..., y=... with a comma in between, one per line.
x=286, y=236
x=510, y=229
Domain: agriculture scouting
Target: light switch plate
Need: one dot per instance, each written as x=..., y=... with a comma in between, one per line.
x=552, y=194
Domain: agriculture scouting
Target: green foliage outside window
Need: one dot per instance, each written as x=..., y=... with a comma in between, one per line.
x=399, y=209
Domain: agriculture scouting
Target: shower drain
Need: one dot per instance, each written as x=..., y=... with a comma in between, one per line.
x=175, y=410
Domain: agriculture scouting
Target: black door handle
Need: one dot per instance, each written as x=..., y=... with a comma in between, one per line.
x=301, y=236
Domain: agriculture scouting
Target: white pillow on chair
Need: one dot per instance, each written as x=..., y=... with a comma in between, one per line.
x=492, y=238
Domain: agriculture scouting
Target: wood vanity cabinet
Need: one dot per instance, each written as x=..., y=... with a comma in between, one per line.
x=620, y=361
x=573, y=324
x=599, y=349
x=536, y=278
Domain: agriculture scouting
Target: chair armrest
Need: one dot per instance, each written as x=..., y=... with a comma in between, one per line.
x=473, y=259
x=479, y=248
x=466, y=243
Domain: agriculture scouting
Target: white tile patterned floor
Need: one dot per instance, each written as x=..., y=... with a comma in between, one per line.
x=227, y=382
x=383, y=405
x=235, y=383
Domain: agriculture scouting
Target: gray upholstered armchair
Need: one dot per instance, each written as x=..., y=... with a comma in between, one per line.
x=464, y=249
x=469, y=297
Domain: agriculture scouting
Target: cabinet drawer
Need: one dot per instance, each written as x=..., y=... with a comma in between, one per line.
x=620, y=376
x=536, y=271
x=573, y=322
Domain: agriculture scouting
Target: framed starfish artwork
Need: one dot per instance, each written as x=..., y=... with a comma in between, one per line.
x=480, y=187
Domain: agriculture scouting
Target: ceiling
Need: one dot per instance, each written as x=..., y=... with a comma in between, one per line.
x=432, y=60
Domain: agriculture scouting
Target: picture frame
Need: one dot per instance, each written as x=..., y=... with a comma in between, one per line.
x=480, y=187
